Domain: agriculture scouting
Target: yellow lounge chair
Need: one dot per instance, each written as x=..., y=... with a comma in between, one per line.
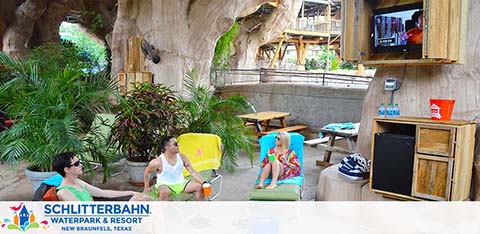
x=205, y=153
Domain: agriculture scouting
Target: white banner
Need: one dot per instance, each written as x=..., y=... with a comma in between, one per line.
x=240, y=217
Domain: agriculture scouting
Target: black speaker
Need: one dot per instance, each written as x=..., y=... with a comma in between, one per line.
x=393, y=163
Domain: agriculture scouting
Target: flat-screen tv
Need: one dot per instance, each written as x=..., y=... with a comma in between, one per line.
x=398, y=29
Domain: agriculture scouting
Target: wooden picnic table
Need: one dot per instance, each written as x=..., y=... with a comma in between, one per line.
x=350, y=136
x=262, y=119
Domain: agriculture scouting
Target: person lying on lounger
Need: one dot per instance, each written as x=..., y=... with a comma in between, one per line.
x=73, y=189
x=284, y=165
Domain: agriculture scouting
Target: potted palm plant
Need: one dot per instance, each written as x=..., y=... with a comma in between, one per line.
x=208, y=113
x=146, y=114
x=52, y=111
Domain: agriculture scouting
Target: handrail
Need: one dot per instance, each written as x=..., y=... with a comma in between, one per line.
x=258, y=76
x=318, y=25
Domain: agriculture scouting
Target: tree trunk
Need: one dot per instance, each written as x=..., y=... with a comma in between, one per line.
x=185, y=33
x=271, y=27
x=19, y=32
x=28, y=23
x=420, y=83
x=2, y=29
x=47, y=27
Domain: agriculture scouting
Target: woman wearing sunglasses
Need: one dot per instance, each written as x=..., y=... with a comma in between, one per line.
x=283, y=163
x=74, y=189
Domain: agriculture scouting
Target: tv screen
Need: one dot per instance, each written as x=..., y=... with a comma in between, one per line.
x=398, y=29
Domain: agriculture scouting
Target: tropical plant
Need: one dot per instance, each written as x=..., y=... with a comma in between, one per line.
x=223, y=48
x=147, y=114
x=52, y=111
x=51, y=57
x=90, y=48
x=210, y=114
x=326, y=57
x=311, y=64
x=347, y=66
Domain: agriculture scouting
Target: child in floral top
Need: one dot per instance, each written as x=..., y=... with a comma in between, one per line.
x=285, y=164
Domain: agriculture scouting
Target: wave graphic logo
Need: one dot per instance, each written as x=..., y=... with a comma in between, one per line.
x=23, y=220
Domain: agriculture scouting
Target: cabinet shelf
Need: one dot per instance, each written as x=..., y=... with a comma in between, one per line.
x=422, y=159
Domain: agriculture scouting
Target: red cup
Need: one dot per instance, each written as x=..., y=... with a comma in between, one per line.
x=442, y=109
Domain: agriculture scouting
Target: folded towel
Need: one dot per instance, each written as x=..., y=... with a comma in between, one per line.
x=337, y=126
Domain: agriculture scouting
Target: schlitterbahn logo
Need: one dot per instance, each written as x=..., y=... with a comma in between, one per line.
x=23, y=219
x=96, y=217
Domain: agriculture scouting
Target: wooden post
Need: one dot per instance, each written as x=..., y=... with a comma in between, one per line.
x=301, y=47
x=277, y=52
x=284, y=51
x=329, y=31
x=135, y=59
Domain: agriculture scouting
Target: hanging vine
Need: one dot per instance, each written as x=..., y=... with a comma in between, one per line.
x=223, y=48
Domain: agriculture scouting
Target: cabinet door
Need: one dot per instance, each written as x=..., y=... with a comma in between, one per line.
x=432, y=177
x=437, y=140
x=436, y=21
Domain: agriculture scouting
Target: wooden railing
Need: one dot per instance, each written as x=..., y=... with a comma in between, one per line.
x=322, y=26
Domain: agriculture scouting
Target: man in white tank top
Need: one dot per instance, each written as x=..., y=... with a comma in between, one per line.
x=169, y=166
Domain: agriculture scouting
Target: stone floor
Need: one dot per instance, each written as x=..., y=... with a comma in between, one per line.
x=14, y=186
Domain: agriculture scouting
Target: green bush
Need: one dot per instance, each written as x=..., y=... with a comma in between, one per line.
x=335, y=64
x=347, y=66
x=53, y=108
x=146, y=115
x=51, y=57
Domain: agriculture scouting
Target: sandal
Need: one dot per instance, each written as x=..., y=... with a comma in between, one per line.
x=259, y=186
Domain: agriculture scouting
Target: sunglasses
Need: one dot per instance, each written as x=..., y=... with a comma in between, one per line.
x=175, y=143
x=277, y=138
x=76, y=164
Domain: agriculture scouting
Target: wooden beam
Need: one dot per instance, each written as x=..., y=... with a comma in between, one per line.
x=300, y=46
x=274, y=3
x=284, y=51
x=304, y=52
x=277, y=52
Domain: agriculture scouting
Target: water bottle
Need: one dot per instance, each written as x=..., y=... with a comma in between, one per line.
x=390, y=111
x=396, y=109
x=381, y=111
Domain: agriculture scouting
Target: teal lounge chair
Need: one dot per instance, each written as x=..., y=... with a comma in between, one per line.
x=290, y=189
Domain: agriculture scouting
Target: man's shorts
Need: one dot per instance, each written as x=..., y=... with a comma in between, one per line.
x=175, y=188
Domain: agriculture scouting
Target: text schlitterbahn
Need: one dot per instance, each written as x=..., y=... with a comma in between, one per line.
x=97, y=209
x=103, y=217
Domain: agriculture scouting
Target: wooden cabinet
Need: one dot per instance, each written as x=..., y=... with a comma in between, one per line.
x=134, y=67
x=442, y=159
x=444, y=32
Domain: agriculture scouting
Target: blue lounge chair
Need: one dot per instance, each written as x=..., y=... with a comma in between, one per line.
x=290, y=189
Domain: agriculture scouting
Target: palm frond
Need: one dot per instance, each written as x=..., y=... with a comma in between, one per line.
x=210, y=114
